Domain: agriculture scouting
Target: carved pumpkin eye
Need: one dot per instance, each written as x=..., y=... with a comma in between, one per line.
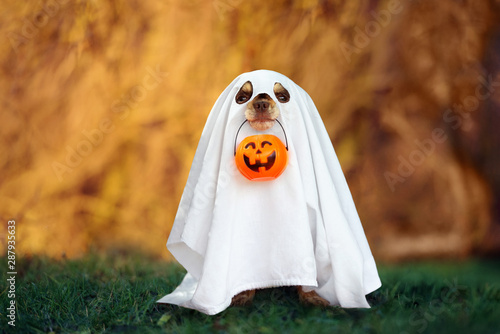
x=264, y=143
x=250, y=144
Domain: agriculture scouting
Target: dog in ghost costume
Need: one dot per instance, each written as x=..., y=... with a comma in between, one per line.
x=234, y=235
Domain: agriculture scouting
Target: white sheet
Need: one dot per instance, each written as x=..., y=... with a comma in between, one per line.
x=232, y=234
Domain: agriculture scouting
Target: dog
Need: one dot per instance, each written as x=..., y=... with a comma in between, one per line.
x=216, y=236
x=262, y=111
x=261, y=114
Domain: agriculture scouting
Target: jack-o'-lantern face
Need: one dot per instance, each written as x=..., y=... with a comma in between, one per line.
x=261, y=157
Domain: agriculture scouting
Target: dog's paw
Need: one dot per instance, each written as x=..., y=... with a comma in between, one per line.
x=311, y=298
x=243, y=298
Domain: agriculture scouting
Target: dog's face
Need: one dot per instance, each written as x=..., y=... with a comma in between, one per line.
x=262, y=111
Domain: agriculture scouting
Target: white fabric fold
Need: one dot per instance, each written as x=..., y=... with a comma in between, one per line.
x=232, y=234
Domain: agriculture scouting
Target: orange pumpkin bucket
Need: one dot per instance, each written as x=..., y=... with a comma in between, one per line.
x=261, y=157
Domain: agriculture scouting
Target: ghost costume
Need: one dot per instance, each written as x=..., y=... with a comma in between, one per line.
x=232, y=234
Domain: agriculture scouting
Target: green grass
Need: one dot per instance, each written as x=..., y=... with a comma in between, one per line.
x=117, y=294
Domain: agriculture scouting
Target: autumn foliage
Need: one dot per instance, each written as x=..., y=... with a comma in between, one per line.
x=103, y=104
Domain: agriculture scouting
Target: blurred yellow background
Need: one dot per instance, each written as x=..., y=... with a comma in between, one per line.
x=103, y=103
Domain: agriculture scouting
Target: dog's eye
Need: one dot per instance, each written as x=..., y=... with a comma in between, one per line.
x=281, y=93
x=241, y=99
x=244, y=93
x=283, y=98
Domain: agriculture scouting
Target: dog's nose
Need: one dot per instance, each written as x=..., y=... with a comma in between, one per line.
x=261, y=106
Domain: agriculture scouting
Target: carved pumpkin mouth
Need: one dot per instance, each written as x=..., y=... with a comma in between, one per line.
x=264, y=163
